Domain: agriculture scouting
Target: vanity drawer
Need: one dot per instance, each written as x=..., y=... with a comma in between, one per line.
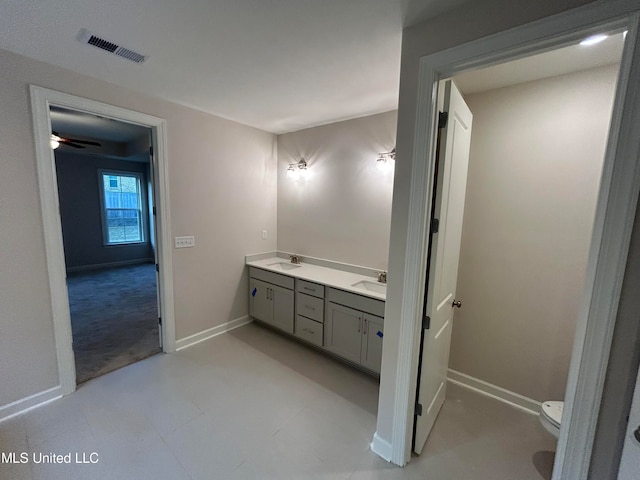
x=310, y=307
x=310, y=288
x=359, y=302
x=271, y=277
x=309, y=330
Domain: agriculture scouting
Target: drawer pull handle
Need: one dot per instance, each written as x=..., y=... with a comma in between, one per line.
x=309, y=308
x=309, y=289
x=308, y=330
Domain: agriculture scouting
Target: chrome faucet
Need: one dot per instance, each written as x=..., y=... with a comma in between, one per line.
x=294, y=258
x=382, y=277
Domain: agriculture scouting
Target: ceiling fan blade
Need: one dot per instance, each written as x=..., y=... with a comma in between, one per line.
x=75, y=140
x=85, y=142
x=70, y=143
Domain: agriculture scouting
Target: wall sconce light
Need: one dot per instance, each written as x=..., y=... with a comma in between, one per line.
x=383, y=161
x=54, y=141
x=296, y=170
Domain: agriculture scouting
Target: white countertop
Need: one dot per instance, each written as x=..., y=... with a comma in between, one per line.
x=327, y=276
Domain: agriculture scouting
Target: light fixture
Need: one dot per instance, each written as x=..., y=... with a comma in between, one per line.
x=295, y=170
x=592, y=40
x=383, y=161
x=54, y=141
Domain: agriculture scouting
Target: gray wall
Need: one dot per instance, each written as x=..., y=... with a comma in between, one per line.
x=222, y=189
x=80, y=211
x=534, y=171
x=342, y=210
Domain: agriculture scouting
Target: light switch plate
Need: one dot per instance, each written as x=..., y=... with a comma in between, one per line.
x=265, y=234
x=185, y=242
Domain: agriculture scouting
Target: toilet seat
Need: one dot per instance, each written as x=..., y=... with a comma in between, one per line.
x=551, y=416
x=553, y=412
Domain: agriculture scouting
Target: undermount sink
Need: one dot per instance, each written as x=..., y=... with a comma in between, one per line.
x=283, y=265
x=371, y=286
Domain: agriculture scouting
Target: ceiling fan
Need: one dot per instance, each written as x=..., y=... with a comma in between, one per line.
x=56, y=140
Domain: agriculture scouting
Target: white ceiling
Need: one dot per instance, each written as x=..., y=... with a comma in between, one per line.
x=279, y=65
x=549, y=64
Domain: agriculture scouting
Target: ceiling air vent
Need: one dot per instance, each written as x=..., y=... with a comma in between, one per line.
x=87, y=37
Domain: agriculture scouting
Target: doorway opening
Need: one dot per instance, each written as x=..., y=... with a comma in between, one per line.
x=515, y=264
x=116, y=217
x=106, y=195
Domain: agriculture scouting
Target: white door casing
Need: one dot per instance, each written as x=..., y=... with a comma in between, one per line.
x=451, y=187
x=630, y=461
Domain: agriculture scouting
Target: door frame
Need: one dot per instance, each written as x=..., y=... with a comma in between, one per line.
x=610, y=240
x=41, y=100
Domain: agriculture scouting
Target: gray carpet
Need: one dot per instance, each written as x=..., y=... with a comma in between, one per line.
x=114, y=318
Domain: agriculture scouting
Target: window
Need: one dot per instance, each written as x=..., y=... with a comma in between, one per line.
x=122, y=215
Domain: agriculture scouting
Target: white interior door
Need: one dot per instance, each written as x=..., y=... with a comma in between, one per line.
x=630, y=461
x=448, y=208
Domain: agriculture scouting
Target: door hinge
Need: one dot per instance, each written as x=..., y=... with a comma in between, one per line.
x=153, y=210
x=442, y=119
x=157, y=267
x=426, y=322
x=419, y=409
x=159, y=320
x=435, y=225
x=151, y=150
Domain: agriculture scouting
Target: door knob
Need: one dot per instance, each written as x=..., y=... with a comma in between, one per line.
x=637, y=433
x=456, y=303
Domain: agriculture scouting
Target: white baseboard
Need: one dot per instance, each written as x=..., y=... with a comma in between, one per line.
x=381, y=447
x=211, y=332
x=502, y=394
x=29, y=403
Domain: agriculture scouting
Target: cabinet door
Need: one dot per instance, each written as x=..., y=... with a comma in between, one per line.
x=260, y=304
x=372, y=331
x=283, y=311
x=343, y=331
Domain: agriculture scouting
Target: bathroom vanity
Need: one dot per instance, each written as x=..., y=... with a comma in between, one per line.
x=334, y=307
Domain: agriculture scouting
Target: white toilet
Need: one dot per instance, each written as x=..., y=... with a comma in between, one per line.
x=551, y=416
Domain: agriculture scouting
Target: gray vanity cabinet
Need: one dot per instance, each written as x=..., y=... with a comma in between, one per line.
x=260, y=306
x=346, y=324
x=309, y=312
x=270, y=300
x=372, y=332
x=353, y=328
x=343, y=331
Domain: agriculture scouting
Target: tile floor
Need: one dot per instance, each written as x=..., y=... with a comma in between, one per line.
x=251, y=404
